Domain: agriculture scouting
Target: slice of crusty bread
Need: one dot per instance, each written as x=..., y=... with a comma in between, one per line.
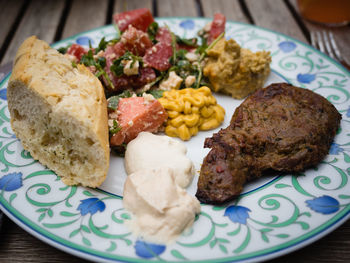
x=59, y=113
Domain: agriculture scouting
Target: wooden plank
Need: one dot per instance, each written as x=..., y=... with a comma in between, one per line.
x=85, y=15
x=275, y=15
x=17, y=246
x=332, y=248
x=230, y=8
x=41, y=19
x=8, y=14
x=124, y=5
x=341, y=34
x=177, y=8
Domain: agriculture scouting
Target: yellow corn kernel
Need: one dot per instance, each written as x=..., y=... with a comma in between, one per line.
x=194, y=100
x=205, y=90
x=176, y=122
x=207, y=100
x=193, y=130
x=219, y=113
x=184, y=133
x=187, y=107
x=206, y=112
x=201, y=121
x=190, y=110
x=163, y=100
x=201, y=98
x=171, y=131
x=212, y=100
x=183, y=91
x=191, y=120
x=173, y=114
x=173, y=105
x=195, y=109
x=172, y=96
x=209, y=124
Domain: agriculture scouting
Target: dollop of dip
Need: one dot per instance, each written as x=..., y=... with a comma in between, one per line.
x=161, y=209
x=152, y=151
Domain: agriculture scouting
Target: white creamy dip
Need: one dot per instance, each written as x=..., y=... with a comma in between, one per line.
x=152, y=151
x=161, y=209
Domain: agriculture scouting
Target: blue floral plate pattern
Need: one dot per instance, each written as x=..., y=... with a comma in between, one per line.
x=273, y=216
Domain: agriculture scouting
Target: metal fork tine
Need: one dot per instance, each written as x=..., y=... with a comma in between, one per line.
x=334, y=46
x=313, y=40
x=327, y=44
x=320, y=42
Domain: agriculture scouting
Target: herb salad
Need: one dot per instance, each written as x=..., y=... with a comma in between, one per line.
x=143, y=54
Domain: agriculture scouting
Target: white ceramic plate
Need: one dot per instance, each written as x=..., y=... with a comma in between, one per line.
x=274, y=215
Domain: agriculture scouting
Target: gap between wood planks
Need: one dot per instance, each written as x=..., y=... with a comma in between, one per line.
x=246, y=12
x=13, y=29
x=66, y=9
x=299, y=21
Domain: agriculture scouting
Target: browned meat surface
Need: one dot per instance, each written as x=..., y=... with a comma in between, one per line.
x=280, y=127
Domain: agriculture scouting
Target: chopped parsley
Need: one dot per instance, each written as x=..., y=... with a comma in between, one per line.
x=160, y=75
x=115, y=128
x=63, y=50
x=156, y=93
x=118, y=66
x=99, y=63
x=191, y=42
x=88, y=59
x=152, y=32
x=101, y=46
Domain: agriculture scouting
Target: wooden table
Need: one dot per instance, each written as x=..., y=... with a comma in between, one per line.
x=55, y=20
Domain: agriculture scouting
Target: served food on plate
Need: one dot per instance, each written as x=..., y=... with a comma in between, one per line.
x=191, y=110
x=158, y=171
x=161, y=209
x=59, y=113
x=280, y=127
x=133, y=115
x=58, y=107
x=152, y=151
x=236, y=71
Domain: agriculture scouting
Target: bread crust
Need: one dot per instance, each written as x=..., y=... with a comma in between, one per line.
x=71, y=96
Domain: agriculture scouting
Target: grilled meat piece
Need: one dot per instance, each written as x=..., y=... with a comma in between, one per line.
x=280, y=127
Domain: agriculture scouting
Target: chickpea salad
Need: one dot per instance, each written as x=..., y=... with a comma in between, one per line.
x=143, y=54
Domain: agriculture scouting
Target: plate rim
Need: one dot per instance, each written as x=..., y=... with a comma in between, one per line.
x=84, y=252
